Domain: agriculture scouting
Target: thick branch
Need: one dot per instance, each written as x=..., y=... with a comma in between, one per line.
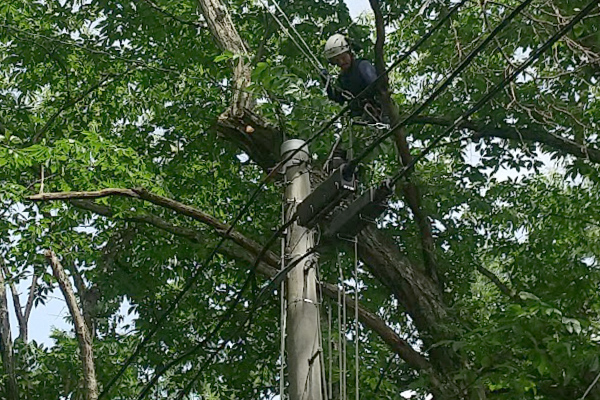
x=144, y=194
x=558, y=143
x=269, y=268
x=409, y=189
x=227, y=37
x=17, y=305
x=83, y=335
x=6, y=349
x=380, y=41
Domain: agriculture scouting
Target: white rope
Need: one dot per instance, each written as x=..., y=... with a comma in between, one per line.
x=357, y=332
x=313, y=60
x=307, y=47
x=283, y=316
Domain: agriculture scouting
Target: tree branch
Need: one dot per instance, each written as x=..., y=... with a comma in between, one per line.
x=496, y=281
x=70, y=104
x=6, y=345
x=30, y=298
x=380, y=41
x=173, y=16
x=269, y=267
x=16, y=304
x=83, y=335
x=481, y=131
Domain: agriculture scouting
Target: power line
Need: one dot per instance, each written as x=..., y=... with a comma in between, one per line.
x=276, y=280
x=306, y=51
x=195, y=276
x=534, y=56
x=461, y=119
x=225, y=316
x=441, y=87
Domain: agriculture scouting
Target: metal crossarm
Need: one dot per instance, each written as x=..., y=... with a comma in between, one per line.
x=325, y=197
x=368, y=207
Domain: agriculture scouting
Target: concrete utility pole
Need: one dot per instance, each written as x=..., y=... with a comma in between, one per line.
x=304, y=349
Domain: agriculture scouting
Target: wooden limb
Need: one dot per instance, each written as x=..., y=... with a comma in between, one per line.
x=380, y=41
x=496, y=281
x=88, y=299
x=409, y=190
x=220, y=228
x=228, y=38
x=84, y=338
x=481, y=131
x=6, y=349
x=30, y=298
x=269, y=267
x=173, y=16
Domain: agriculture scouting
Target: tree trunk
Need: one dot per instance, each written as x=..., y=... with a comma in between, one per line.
x=83, y=335
x=8, y=359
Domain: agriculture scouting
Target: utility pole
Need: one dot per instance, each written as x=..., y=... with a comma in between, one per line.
x=304, y=350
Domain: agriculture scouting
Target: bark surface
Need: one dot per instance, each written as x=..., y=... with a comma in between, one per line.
x=84, y=338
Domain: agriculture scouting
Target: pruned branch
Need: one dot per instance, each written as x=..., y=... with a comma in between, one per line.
x=84, y=338
x=269, y=267
x=480, y=131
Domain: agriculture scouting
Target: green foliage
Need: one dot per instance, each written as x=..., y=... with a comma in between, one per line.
x=112, y=94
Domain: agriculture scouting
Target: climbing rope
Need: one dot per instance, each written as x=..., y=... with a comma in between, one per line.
x=283, y=315
x=306, y=52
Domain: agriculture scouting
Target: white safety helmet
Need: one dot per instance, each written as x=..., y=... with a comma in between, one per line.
x=336, y=45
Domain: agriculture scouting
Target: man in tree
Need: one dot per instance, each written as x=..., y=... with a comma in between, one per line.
x=357, y=74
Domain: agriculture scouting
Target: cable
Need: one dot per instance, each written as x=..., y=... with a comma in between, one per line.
x=441, y=87
x=307, y=47
x=534, y=56
x=225, y=316
x=276, y=280
x=195, y=276
x=313, y=60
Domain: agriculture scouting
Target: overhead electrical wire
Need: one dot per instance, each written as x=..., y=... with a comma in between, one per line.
x=461, y=119
x=535, y=55
x=497, y=88
x=225, y=316
x=442, y=86
x=195, y=276
x=276, y=280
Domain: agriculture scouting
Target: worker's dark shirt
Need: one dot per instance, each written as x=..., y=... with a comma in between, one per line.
x=360, y=75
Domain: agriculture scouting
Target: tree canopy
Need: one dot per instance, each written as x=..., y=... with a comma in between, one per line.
x=132, y=134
